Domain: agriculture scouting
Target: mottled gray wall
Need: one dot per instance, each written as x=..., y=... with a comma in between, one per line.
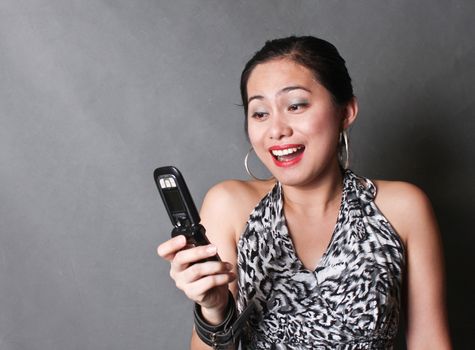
x=94, y=94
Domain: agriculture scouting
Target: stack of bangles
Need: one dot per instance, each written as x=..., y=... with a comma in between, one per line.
x=225, y=334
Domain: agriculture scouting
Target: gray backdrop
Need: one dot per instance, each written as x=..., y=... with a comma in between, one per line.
x=94, y=94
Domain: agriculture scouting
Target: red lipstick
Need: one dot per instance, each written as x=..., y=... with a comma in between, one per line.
x=287, y=155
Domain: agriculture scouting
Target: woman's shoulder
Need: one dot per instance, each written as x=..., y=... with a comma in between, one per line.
x=247, y=187
x=234, y=200
x=404, y=205
x=238, y=195
x=400, y=191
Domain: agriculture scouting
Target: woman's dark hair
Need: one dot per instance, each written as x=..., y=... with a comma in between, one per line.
x=317, y=55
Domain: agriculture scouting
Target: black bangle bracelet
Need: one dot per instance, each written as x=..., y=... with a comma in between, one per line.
x=226, y=333
x=218, y=336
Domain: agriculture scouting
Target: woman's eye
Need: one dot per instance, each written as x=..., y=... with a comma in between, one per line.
x=297, y=106
x=259, y=115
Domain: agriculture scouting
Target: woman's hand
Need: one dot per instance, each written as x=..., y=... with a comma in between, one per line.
x=224, y=215
x=204, y=282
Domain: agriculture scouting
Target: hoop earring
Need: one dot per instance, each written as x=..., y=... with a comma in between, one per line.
x=248, y=171
x=344, y=150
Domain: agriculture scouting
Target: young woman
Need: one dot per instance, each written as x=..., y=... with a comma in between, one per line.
x=326, y=256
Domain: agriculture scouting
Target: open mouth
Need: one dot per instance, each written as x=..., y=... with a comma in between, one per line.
x=287, y=155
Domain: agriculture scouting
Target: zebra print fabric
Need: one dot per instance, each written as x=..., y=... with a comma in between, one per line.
x=350, y=301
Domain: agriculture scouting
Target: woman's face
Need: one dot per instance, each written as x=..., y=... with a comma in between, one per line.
x=293, y=123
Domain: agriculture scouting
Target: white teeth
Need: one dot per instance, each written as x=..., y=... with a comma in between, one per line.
x=284, y=152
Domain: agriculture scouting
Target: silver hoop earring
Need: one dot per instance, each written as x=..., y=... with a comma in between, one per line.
x=344, y=150
x=248, y=171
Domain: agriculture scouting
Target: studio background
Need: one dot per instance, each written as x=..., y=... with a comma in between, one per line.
x=95, y=94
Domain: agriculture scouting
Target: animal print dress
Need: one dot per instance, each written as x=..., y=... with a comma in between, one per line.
x=350, y=301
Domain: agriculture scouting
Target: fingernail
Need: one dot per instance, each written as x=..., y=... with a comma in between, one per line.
x=159, y=251
x=211, y=249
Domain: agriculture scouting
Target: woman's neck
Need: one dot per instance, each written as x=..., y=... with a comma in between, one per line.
x=317, y=197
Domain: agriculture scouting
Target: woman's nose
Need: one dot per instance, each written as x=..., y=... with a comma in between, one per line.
x=279, y=127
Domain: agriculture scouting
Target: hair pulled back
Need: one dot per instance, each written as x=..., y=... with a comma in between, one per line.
x=317, y=55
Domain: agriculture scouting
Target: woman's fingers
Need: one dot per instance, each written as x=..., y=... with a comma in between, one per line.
x=199, y=270
x=195, y=276
x=198, y=289
x=168, y=249
x=189, y=256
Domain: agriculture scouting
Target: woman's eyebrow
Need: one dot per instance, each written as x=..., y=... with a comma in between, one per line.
x=280, y=92
x=291, y=88
x=255, y=97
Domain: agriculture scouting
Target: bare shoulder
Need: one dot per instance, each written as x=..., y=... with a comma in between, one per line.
x=401, y=194
x=236, y=195
x=410, y=212
x=232, y=201
x=405, y=205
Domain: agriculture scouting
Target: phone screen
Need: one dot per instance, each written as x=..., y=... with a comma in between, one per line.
x=174, y=201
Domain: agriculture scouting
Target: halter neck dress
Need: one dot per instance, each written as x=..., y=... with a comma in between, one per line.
x=350, y=301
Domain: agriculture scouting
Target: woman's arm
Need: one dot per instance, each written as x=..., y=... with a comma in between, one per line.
x=410, y=212
x=218, y=219
x=223, y=214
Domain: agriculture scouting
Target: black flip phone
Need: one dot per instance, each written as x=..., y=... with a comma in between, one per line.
x=180, y=207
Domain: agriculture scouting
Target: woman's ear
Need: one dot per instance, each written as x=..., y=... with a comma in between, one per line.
x=350, y=112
